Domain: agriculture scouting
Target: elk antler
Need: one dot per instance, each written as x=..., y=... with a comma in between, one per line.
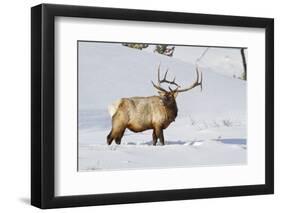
x=164, y=80
x=196, y=83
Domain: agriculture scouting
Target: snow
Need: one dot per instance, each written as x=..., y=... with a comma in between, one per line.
x=219, y=59
x=210, y=129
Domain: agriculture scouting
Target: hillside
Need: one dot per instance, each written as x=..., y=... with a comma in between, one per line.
x=210, y=128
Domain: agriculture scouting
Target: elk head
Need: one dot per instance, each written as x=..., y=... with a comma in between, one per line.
x=168, y=96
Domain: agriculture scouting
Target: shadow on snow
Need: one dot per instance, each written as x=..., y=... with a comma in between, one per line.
x=230, y=141
x=237, y=141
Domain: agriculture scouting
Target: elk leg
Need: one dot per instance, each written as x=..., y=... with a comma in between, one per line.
x=119, y=138
x=159, y=134
x=154, y=138
x=109, y=138
x=118, y=141
x=162, y=141
x=119, y=122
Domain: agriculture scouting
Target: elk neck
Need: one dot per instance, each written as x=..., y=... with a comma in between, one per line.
x=171, y=111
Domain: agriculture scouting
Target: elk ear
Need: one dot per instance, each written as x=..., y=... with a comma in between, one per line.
x=175, y=94
x=161, y=93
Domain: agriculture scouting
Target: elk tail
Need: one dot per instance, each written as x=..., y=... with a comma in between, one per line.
x=112, y=108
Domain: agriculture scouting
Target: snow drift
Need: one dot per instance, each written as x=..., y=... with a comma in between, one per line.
x=210, y=128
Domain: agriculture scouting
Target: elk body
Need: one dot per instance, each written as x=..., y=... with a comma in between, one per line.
x=142, y=113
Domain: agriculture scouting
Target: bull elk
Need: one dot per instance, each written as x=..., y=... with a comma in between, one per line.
x=142, y=113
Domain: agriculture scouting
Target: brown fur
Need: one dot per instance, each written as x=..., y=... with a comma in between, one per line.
x=142, y=113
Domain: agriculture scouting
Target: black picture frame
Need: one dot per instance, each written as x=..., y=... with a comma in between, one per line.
x=43, y=102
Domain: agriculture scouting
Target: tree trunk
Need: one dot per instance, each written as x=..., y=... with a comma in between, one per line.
x=244, y=63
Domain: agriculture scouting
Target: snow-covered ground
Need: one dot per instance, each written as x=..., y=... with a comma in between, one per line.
x=210, y=129
x=225, y=62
